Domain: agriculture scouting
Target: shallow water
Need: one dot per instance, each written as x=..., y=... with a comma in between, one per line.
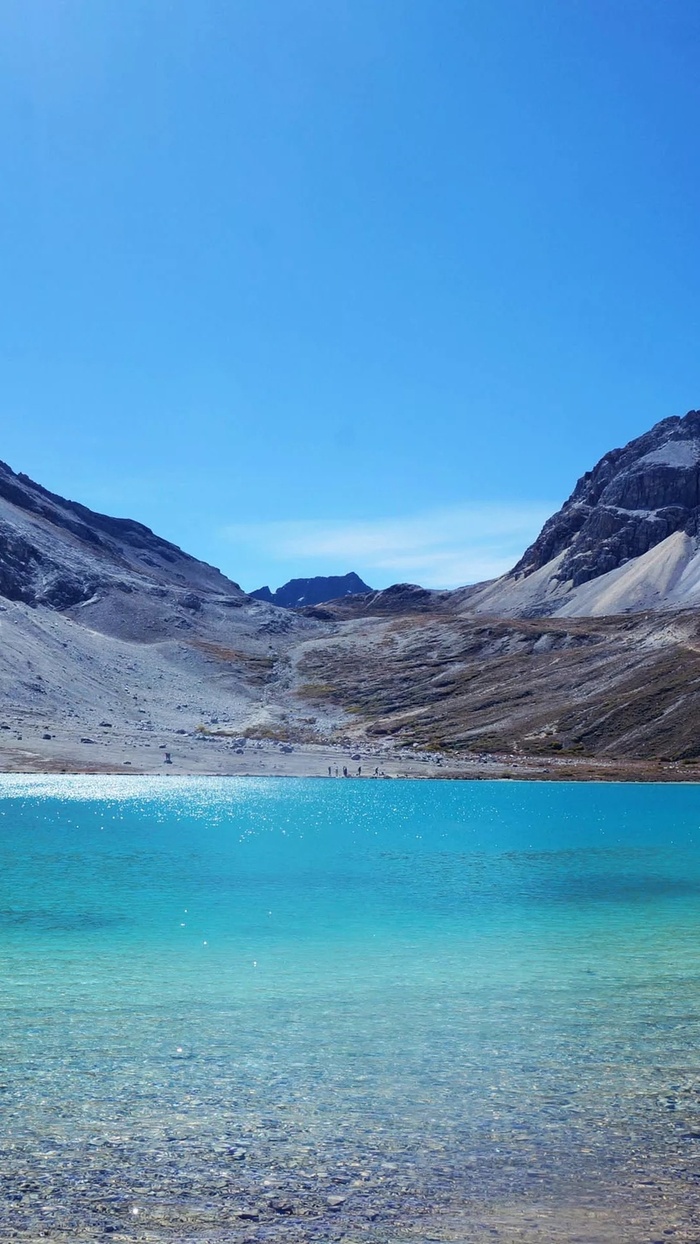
x=312, y=1010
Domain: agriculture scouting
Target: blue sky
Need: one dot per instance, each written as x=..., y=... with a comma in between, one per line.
x=319, y=285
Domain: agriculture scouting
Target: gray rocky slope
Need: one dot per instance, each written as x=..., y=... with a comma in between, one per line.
x=101, y=620
x=115, y=645
x=60, y=553
x=627, y=539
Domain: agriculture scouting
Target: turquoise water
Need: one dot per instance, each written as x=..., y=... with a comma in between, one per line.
x=312, y=1010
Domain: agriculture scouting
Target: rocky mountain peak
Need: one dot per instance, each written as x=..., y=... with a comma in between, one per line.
x=632, y=500
x=301, y=593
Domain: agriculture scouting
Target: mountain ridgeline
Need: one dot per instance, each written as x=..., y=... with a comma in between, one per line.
x=299, y=593
x=61, y=554
x=119, y=648
x=632, y=500
x=627, y=539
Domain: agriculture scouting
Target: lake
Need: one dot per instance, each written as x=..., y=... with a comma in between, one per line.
x=259, y=1009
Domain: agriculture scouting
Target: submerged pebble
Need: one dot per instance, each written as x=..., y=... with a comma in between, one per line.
x=420, y=1054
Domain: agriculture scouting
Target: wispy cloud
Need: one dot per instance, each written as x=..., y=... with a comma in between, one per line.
x=438, y=548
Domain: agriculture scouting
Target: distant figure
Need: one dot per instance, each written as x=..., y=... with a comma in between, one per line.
x=329, y=771
x=336, y=770
x=376, y=771
x=359, y=770
x=345, y=770
x=167, y=760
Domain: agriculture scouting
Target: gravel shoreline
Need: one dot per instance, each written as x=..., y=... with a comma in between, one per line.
x=199, y=754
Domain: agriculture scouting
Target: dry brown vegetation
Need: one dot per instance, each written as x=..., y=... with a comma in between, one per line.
x=256, y=668
x=624, y=687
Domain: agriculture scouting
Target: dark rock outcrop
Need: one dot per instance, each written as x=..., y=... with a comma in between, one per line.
x=632, y=500
x=298, y=593
x=264, y=593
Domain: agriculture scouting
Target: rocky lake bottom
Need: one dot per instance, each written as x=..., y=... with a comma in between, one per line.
x=251, y=1010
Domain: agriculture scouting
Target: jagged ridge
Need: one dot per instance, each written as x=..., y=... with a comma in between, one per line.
x=633, y=499
x=299, y=593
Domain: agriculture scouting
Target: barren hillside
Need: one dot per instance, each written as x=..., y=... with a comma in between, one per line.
x=119, y=651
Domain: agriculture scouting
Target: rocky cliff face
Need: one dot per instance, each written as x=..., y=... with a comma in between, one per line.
x=627, y=539
x=632, y=500
x=298, y=593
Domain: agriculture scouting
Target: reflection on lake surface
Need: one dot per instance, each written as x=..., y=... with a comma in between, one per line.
x=318, y=1010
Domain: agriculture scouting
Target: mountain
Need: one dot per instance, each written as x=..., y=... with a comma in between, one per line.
x=627, y=539
x=101, y=620
x=119, y=649
x=544, y=662
x=298, y=593
x=60, y=554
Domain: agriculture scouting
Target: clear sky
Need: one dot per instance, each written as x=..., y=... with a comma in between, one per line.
x=319, y=285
